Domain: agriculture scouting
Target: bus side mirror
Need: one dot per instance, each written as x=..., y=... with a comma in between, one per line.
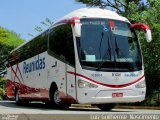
x=76, y=26
x=77, y=30
x=145, y=28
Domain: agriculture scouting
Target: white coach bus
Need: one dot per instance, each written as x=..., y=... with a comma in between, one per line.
x=89, y=56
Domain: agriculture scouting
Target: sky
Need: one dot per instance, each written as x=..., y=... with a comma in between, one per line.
x=21, y=16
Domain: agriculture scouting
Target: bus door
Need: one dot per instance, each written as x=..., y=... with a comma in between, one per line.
x=60, y=73
x=57, y=74
x=61, y=44
x=71, y=84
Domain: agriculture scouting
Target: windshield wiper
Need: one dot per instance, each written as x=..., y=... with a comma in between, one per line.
x=102, y=35
x=118, y=50
x=107, y=52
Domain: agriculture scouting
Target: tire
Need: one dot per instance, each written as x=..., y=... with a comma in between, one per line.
x=55, y=100
x=66, y=105
x=106, y=107
x=47, y=103
x=17, y=99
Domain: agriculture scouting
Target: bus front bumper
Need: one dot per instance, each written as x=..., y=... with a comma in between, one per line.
x=112, y=96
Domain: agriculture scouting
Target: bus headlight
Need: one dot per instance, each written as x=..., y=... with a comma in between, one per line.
x=141, y=84
x=84, y=84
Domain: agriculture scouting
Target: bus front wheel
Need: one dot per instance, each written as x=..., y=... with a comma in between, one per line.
x=106, y=107
x=55, y=98
x=56, y=101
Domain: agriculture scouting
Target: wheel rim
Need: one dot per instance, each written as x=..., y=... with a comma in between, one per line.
x=56, y=96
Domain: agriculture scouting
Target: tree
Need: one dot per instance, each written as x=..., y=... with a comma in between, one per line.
x=8, y=41
x=2, y=88
x=46, y=23
x=148, y=13
x=120, y=6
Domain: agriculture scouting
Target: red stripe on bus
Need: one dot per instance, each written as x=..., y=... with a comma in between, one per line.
x=27, y=92
x=107, y=85
x=72, y=21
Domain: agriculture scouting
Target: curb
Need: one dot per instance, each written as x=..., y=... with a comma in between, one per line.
x=117, y=107
x=138, y=107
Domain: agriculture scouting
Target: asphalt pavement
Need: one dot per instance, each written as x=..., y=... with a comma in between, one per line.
x=39, y=111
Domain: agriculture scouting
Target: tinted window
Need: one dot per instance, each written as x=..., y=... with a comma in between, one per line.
x=61, y=43
x=107, y=44
x=32, y=48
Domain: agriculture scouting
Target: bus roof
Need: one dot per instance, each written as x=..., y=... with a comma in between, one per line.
x=92, y=13
x=85, y=13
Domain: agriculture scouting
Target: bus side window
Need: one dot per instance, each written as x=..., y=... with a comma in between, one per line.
x=61, y=43
x=70, y=55
x=56, y=41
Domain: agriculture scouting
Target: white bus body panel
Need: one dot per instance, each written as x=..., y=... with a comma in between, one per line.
x=103, y=94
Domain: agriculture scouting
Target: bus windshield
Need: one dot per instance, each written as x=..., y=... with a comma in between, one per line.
x=107, y=44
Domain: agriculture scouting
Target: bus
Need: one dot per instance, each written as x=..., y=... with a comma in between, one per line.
x=90, y=56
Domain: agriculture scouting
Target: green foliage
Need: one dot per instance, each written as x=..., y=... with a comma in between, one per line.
x=90, y=3
x=2, y=88
x=47, y=22
x=120, y=6
x=8, y=41
x=9, y=38
x=151, y=51
x=152, y=100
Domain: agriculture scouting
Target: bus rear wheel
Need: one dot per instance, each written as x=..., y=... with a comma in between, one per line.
x=106, y=107
x=17, y=99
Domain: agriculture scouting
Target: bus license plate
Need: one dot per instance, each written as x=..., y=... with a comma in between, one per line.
x=117, y=95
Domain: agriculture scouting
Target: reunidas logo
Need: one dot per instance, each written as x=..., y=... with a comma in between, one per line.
x=37, y=64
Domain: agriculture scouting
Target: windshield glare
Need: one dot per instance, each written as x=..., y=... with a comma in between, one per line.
x=108, y=44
